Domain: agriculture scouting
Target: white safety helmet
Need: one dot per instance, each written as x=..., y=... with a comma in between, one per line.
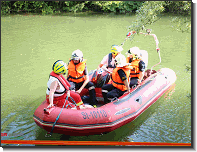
x=120, y=60
x=135, y=51
x=77, y=55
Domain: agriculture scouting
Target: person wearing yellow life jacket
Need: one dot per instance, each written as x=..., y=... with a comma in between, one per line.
x=120, y=80
x=134, y=57
x=78, y=76
x=58, y=89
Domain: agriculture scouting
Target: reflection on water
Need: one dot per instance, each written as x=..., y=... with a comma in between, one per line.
x=31, y=53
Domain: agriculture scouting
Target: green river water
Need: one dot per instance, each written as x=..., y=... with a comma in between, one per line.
x=31, y=44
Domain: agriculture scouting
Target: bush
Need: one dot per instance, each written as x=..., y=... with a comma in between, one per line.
x=178, y=7
x=5, y=7
x=49, y=7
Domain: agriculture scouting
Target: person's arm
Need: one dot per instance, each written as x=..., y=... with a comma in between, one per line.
x=99, y=66
x=141, y=77
x=124, y=79
x=85, y=82
x=104, y=67
x=127, y=85
x=53, y=87
x=142, y=70
x=103, y=62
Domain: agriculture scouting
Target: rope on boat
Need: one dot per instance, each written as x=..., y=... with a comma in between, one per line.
x=50, y=134
x=73, y=100
x=58, y=117
x=148, y=32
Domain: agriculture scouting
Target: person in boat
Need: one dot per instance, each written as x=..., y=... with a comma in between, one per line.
x=78, y=76
x=58, y=89
x=108, y=61
x=134, y=57
x=120, y=80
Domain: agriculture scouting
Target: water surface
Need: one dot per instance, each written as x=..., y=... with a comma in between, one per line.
x=31, y=44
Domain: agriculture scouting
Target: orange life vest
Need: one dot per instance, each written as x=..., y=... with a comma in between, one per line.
x=116, y=80
x=135, y=71
x=127, y=59
x=75, y=71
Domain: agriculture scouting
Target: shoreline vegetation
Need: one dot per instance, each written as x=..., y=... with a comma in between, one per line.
x=120, y=7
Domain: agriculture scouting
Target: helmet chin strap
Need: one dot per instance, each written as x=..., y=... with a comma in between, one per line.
x=76, y=63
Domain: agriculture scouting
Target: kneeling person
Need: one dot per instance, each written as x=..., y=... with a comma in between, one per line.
x=120, y=80
x=134, y=57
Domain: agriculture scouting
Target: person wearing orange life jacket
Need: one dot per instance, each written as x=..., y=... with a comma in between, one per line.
x=58, y=89
x=120, y=80
x=78, y=76
x=134, y=57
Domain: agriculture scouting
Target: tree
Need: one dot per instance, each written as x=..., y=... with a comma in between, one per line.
x=150, y=11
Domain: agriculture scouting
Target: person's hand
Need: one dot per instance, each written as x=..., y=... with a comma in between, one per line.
x=128, y=91
x=50, y=106
x=68, y=93
x=78, y=91
x=139, y=81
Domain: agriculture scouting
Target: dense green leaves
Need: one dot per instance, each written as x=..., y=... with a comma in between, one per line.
x=150, y=12
x=49, y=7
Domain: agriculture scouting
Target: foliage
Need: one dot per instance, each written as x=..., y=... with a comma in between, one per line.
x=150, y=11
x=179, y=7
x=188, y=68
x=117, y=6
x=49, y=7
x=5, y=7
x=147, y=14
x=182, y=8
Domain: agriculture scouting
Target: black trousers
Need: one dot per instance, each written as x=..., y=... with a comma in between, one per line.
x=133, y=82
x=110, y=92
x=90, y=86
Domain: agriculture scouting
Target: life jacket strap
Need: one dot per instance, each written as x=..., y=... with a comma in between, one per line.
x=117, y=82
x=75, y=78
x=58, y=92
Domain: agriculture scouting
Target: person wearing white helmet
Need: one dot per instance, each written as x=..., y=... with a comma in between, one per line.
x=78, y=76
x=134, y=57
x=108, y=62
x=120, y=80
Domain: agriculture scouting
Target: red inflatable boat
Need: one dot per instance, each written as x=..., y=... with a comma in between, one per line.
x=110, y=116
